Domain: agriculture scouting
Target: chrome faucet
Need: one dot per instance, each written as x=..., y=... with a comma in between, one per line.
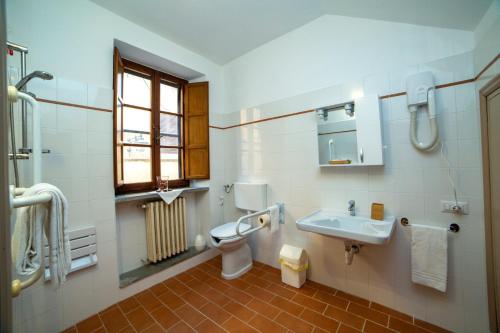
x=352, y=207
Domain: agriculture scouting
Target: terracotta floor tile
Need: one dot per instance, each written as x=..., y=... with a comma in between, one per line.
x=239, y=283
x=345, y=317
x=263, y=308
x=331, y=299
x=391, y=312
x=215, y=313
x=293, y=323
x=148, y=300
x=158, y=288
x=209, y=327
x=265, y=325
x=171, y=300
x=239, y=311
x=181, y=327
x=319, y=320
x=128, y=304
x=287, y=306
x=234, y=325
x=405, y=327
x=260, y=293
x=128, y=329
x=281, y=291
x=195, y=299
x=238, y=296
x=216, y=297
x=347, y=329
x=190, y=315
x=353, y=298
x=90, y=324
x=114, y=320
x=155, y=328
x=373, y=315
x=309, y=303
x=371, y=327
x=176, y=286
x=165, y=317
x=430, y=327
x=200, y=300
x=139, y=319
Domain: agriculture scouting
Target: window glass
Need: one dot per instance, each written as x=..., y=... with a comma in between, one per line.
x=169, y=130
x=136, y=90
x=169, y=98
x=136, y=126
x=169, y=158
x=136, y=164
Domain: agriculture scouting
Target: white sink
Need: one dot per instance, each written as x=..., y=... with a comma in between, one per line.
x=354, y=228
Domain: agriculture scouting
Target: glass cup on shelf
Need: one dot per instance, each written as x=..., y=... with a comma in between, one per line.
x=162, y=183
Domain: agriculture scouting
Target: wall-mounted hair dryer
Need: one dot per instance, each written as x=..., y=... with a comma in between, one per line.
x=420, y=91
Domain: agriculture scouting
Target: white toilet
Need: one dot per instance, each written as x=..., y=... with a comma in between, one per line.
x=236, y=254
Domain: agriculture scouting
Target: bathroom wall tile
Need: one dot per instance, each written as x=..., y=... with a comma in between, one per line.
x=470, y=153
x=48, y=115
x=468, y=125
x=445, y=100
x=470, y=181
x=397, y=78
x=100, y=97
x=100, y=143
x=70, y=91
x=465, y=97
x=101, y=122
x=100, y=165
x=102, y=209
x=70, y=118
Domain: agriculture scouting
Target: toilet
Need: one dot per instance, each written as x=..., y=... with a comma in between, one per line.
x=236, y=253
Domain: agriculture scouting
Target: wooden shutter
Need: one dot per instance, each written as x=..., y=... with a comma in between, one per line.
x=196, y=151
x=118, y=71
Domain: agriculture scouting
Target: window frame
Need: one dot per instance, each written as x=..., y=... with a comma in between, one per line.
x=157, y=78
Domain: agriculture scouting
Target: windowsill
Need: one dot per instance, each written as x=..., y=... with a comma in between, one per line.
x=121, y=198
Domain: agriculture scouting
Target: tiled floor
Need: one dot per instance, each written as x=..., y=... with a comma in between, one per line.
x=199, y=300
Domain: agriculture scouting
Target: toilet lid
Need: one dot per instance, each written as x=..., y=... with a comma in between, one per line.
x=228, y=230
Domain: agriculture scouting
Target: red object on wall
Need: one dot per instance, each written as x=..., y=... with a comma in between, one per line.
x=11, y=52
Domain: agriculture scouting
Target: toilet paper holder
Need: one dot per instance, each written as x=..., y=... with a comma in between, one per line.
x=281, y=214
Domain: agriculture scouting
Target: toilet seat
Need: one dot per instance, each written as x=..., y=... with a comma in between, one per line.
x=228, y=230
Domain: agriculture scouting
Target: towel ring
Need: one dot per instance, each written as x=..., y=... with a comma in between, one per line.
x=452, y=227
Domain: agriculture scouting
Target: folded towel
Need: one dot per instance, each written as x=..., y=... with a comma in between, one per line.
x=27, y=239
x=169, y=196
x=429, y=256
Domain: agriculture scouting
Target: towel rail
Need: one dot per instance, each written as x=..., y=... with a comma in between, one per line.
x=18, y=285
x=453, y=227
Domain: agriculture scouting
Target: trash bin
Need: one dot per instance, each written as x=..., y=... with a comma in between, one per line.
x=293, y=265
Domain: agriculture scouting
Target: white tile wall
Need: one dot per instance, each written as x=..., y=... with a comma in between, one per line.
x=283, y=153
x=81, y=165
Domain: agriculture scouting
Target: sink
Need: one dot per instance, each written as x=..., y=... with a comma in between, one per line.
x=351, y=228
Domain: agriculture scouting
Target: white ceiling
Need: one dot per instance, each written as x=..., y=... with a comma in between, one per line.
x=222, y=30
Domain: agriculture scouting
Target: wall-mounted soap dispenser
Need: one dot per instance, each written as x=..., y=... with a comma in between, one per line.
x=420, y=92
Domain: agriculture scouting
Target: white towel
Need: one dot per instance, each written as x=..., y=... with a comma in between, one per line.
x=429, y=256
x=169, y=196
x=274, y=213
x=27, y=240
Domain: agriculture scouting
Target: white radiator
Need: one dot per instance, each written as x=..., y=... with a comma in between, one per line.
x=166, y=233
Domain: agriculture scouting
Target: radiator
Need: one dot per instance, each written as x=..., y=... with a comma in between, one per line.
x=166, y=233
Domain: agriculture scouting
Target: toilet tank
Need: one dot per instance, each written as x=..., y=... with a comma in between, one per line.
x=250, y=196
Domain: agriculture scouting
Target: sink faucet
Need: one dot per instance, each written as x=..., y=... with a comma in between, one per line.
x=352, y=207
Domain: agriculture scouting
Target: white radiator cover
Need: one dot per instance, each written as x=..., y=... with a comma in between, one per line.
x=166, y=233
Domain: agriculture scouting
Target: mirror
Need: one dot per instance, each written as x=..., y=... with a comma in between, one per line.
x=349, y=134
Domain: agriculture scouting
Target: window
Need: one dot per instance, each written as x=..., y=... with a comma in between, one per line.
x=160, y=128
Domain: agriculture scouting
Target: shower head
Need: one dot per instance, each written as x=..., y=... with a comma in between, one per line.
x=36, y=74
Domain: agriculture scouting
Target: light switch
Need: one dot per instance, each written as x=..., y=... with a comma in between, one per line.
x=455, y=207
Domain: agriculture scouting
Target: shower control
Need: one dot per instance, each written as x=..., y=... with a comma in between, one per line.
x=455, y=207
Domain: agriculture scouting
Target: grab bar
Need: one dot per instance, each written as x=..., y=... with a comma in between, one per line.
x=265, y=211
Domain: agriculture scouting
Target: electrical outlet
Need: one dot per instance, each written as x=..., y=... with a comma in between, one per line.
x=455, y=207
